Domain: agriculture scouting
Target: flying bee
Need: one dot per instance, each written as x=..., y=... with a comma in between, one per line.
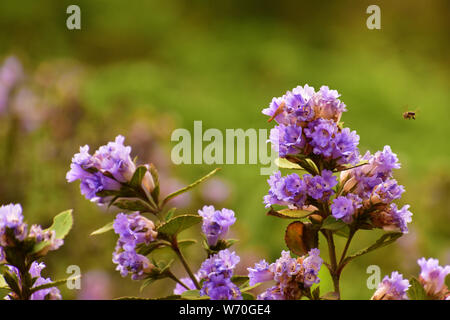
x=279, y=110
x=408, y=115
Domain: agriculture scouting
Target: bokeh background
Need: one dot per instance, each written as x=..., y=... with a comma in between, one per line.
x=144, y=68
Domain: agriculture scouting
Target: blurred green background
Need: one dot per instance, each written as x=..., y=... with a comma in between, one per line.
x=142, y=69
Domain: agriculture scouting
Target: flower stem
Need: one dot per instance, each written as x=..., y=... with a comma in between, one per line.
x=177, y=250
x=333, y=262
x=174, y=278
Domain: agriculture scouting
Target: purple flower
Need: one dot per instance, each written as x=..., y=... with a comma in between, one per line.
x=322, y=134
x=52, y=293
x=387, y=192
x=110, y=166
x=320, y=187
x=216, y=223
x=40, y=235
x=219, y=287
x=288, y=190
x=91, y=181
x=346, y=147
x=115, y=158
x=260, y=273
x=273, y=293
x=134, y=229
x=393, y=288
x=223, y=262
x=327, y=105
x=11, y=218
x=311, y=267
x=401, y=217
x=432, y=276
x=344, y=207
x=131, y=262
x=217, y=272
x=287, y=139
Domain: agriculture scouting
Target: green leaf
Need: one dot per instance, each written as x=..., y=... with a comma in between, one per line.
x=187, y=188
x=286, y=164
x=146, y=283
x=132, y=205
x=384, y=240
x=107, y=227
x=155, y=176
x=290, y=213
x=239, y=280
x=53, y=284
x=247, y=296
x=4, y=291
x=349, y=166
x=333, y=224
x=138, y=175
x=178, y=224
x=170, y=213
x=416, y=291
x=301, y=237
x=245, y=289
x=62, y=223
x=312, y=165
x=193, y=295
x=147, y=249
x=12, y=281
x=344, y=232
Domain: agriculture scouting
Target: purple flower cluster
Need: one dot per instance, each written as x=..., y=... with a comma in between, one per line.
x=216, y=223
x=371, y=188
x=291, y=190
x=13, y=229
x=35, y=270
x=52, y=293
x=107, y=169
x=291, y=275
x=217, y=272
x=133, y=229
x=308, y=123
x=392, y=288
x=432, y=276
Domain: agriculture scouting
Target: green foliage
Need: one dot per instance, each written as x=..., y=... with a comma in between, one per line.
x=178, y=224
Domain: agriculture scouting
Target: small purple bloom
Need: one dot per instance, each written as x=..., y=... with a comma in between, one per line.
x=134, y=229
x=217, y=272
x=131, y=262
x=432, y=275
x=287, y=139
x=320, y=187
x=401, y=217
x=216, y=223
x=387, y=192
x=52, y=293
x=219, y=287
x=260, y=273
x=11, y=218
x=273, y=293
x=322, y=133
x=344, y=207
x=392, y=288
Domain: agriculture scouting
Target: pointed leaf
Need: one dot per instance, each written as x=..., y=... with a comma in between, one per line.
x=132, y=205
x=333, y=224
x=170, y=213
x=349, y=166
x=138, y=175
x=286, y=164
x=290, y=213
x=384, y=240
x=54, y=283
x=62, y=223
x=193, y=295
x=107, y=227
x=187, y=188
x=178, y=224
x=416, y=291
